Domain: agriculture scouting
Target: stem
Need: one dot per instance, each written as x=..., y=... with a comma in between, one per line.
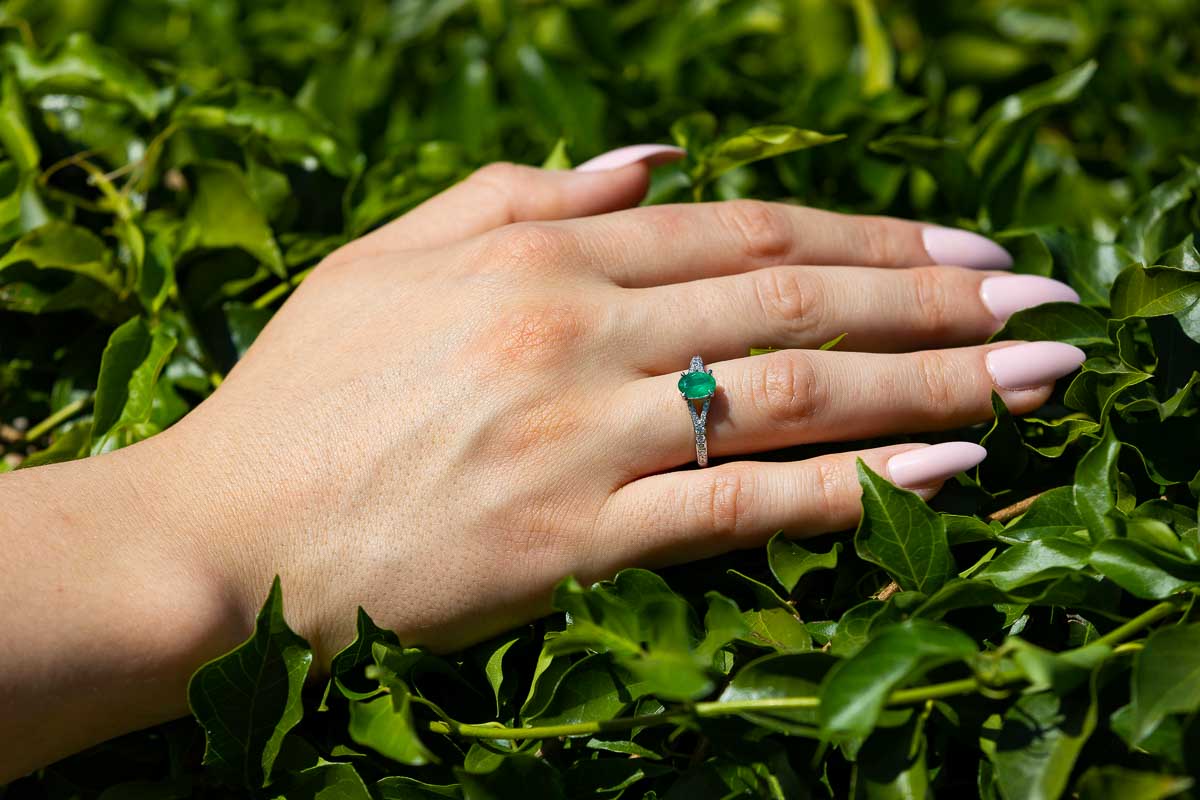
x=274, y=294
x=716, y=708
x=1143, y=620
x=57, y=418
x=1015, y=510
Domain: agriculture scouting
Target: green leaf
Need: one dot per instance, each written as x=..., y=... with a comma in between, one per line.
x=323, y=782
x=242, y=739
x=754, y=144
x=1033, y=748
x=224, y=215
x=400, y=787
x=15, y=136
x=1056, y=322
x=900, y=533
x=79, y=66
x=515, y=776
x=646, y=627
x=1109, y=781
x=385, y=724
x=1142, y=570
x=265, y=118
x=1052, y=515
x=781, y=676
x=1166, y=678
x=1146, y=224
x=347, y=667
x=875, y=57
x=1096, y=486
x=592, y=689
x=790, y=562
x=1031, y=562
x=854, y=692
x=67, y=248
x=1154, y=291
x=125, y=390
x=891, y=763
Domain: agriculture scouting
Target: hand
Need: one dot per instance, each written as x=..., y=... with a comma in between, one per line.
x=454, y=413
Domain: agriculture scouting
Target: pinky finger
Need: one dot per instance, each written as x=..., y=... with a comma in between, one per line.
x=683, y=516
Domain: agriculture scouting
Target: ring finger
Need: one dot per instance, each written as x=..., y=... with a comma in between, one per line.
x=794, y=397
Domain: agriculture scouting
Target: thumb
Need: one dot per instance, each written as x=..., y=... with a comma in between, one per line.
x=502, y=193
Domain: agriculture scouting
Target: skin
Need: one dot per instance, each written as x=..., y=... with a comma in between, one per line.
x=456, y=411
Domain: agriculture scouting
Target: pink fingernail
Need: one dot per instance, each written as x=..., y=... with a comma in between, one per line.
x=964, y=249
x=1007, y=294
x=652, y=154
x=933, y=464
x=1027, y=366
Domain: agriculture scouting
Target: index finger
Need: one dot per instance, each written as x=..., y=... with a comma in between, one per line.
x=657, y=245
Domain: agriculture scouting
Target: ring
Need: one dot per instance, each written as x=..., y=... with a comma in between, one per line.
x=696, y=385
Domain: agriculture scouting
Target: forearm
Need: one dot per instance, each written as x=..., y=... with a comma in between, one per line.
x=106, y=604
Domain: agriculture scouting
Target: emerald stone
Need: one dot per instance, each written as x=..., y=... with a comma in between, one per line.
x=697, y=385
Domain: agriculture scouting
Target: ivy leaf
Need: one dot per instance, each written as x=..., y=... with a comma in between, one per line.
x=779, y=676
x=515, y=776
x=1146, y=224
x=325, y=781
x=790, y=562
x=1033, y=748
x=79, y=66
x=1096, y=486
x=1110, y=780
x=243, y=738
x=854, y=692
x=223, y=215
x=267, y=117
x=754, y=144
x=348, y=664
x=62, y=247
x=900, y=533
x=1031, y=562
x=1166, y=678
x=1056, y=322
x=125, y=392
x=592, y=689
x=1142, y=570
x=1154, y=291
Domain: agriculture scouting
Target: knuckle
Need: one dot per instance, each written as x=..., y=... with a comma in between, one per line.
x=788, y=391
x=830, y=486
x=880, y=241
x=936, y=387
x=760, y=227
x=789, y=298
x=499, y=176
x=529, y=245
x=932, y=300
x=719, y=501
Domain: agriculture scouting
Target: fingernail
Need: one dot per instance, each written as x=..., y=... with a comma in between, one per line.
x=964, y=249
x=652, y=154
x=1027, y=366
x=1007, y=294
x=933, y=464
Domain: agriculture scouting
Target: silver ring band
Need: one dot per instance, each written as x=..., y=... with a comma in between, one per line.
x=697, y=385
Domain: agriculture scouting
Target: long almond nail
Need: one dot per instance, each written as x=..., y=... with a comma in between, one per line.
x=652, y=154
x=1028, y=366
x=1005, y=295
x=933, y=464
x=963, y=249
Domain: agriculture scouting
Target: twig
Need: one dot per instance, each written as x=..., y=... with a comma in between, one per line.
x=57, y=418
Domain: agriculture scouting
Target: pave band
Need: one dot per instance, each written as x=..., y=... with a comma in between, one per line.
x=697, y=385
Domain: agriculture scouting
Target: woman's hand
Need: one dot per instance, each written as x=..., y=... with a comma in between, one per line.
x=456, y=411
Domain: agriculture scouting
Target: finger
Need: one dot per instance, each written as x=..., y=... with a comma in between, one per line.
x=797, y=397
x=501, y=193
x=879, y=310
x=671, y=243
x=692, y=514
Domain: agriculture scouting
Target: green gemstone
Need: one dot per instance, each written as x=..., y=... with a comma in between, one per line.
x=697, y=385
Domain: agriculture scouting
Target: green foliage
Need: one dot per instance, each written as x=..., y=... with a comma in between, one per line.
x=169, y=171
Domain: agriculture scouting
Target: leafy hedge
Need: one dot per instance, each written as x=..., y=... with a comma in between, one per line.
x=172, y=169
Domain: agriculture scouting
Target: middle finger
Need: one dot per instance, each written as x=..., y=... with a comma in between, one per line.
x=880, y=311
